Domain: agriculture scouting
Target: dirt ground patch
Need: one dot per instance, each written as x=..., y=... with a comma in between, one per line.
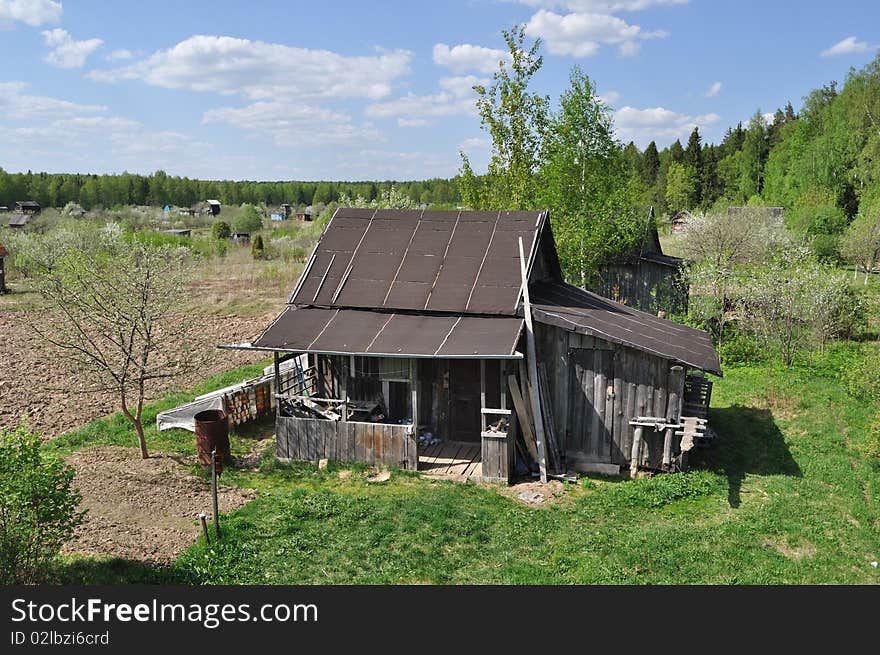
x=792, y=552
x=142, y=509
x=35, y=382
x=535, y=494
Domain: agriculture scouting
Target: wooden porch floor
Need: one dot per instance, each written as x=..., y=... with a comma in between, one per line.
x=452, y=459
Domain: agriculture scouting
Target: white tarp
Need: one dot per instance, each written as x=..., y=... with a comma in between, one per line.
x=184, y=415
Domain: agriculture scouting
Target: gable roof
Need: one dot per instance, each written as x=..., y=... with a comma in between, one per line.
x=418, y=260
x=19, y=220
x=572, y=308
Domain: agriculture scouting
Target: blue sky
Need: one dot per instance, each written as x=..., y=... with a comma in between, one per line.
x=355, y=90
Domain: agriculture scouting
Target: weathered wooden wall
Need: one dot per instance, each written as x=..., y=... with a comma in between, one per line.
x=645, y=285
x=596, y=388
x=373, y=443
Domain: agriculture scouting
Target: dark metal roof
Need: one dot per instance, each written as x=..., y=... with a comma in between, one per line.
x=571, y=308
x=416, y=260
x=665, y=260
x=18, y=220
x=353, y=331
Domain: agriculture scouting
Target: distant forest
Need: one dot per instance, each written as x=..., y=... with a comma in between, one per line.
x=90, y=191
x=821, y=163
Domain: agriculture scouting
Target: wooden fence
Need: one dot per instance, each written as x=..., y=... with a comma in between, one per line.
x=346, y=441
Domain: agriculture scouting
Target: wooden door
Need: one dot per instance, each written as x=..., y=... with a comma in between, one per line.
x=591, y=405
x=464, y=400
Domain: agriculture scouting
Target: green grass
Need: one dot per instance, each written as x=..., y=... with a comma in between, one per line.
x=116, y=430
x=784, y=497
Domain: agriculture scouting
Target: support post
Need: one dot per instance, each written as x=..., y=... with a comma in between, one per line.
x=414, y=390
x=636, y=452
x=482, y=394
x=214, y=492
x=277, y=362
x=532, y=367
x=673, y=414
x=204, y=522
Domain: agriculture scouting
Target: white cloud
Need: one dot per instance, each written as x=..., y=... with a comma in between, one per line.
x=260, y=70
x=461, y=86
x=120, y=55
x=582, y=34
x=29, y=12
x=713, y=90
x=610, y=97
x=657, y=124
x=17, y=105
x=849, y=46
x=67, y=52
x=412, y=122
x=474, y=143
x=466, y=57
x=416, y=107
x=292, y=124
x=601, y=6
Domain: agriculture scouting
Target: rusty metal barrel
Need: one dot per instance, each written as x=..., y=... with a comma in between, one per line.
x=212, y=432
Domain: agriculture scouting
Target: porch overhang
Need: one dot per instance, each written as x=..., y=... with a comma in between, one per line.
x=389, y=334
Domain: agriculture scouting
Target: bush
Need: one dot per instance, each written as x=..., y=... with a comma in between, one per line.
x=221, y=230
x=863, y=377
x=740, y=348
x=258, y=250
x=660, y=490
x=38, y=507
x=249, y=220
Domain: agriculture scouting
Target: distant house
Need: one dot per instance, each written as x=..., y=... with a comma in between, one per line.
x=277, y=216
x=214, y=207
x=3, y=209
x=303, y=216
x=680, y=221
x=241, y=238
x=286, y=208
x=3, y=255
x=187, y=211
x=28, y=206
x=18, y=221
x=178, y=233
x=77, y=212
x=646, y=279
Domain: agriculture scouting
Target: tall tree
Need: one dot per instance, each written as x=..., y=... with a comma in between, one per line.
x=516, y=119
x=651, y=164
x=693, y=159
x=676, y=152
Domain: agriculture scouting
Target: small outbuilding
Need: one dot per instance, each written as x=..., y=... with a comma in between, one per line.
x=680, y=221
x=241, y=238
x=304, y=216
x=213, y=207
x=4, y=253
x=178, y=232
x=28, y=206
x=448, y=342
x=19, y=220
x=646, y=278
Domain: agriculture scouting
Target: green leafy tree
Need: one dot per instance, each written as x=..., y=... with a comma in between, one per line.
x=38, y=507
x=681, y=187
x=249, y=220
x=220, y=230
x=651, y=164
x=587, y=182
x=755, y=150
x=516, y=119
x=258, y=248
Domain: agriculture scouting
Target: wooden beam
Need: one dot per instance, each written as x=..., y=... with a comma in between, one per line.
x=522, y=414
x=673, y=413
x=482, y=394
x=277, y=362
x=414, y=390
x=532, y=366
x=636, y=451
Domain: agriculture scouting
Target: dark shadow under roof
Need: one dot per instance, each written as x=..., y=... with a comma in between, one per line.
x=571, y=308
x=464, y=262
x=353, y=331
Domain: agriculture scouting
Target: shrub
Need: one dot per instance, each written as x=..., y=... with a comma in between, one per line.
x=660, y=490
x=863, y=377
x=221, y=230
x=258, y=249
x=38, y=507
x=249, y=220
x=740, y=348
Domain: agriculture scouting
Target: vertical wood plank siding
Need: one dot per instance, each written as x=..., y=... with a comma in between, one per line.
x=373, y=443
x=644, y=285
x=598, y=387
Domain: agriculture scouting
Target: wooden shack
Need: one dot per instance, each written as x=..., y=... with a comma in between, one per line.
x=19, y=220
x=28, y=206
x=646, y=278
x=4, y=253
x=213, y=207
x=417, y=334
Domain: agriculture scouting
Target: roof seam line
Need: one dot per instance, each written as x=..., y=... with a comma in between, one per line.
x=446, y=338
x=482, y=263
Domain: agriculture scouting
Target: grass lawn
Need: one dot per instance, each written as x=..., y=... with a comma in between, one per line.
x=785, y=496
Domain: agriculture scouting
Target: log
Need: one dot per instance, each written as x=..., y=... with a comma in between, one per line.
x=522, y=415
x=533, y=367
x=636, y=452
